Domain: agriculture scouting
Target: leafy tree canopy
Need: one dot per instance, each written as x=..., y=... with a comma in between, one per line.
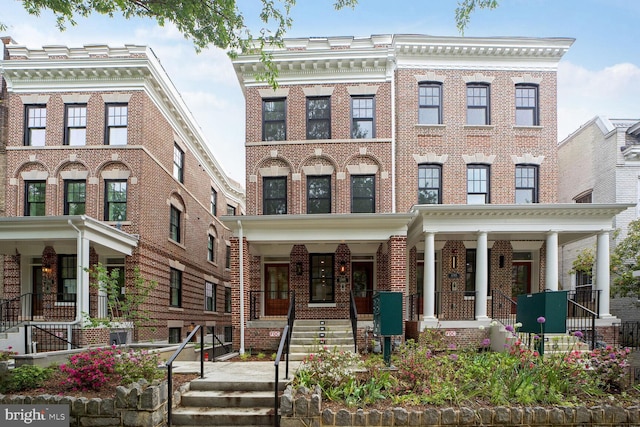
x=625, y=259
x=212, y=22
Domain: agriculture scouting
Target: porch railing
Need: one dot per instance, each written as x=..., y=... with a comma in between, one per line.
x=31, y=307
x=353, y=316
x=586, y=297
x=43, y=338
x=583, y=320
x=503, y=308
x=269, y=303
x=455, y=305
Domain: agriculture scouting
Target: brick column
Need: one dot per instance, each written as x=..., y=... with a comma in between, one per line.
x=398, y=266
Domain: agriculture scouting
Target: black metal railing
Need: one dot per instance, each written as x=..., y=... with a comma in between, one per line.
x=224, y=345
x=52, y=337
x=503, y=307
x=364, y=300
x=353, y=315
x=413, y=307
x=583, y=320
x=36, y=306
x=169, y=366
x=630, y=335
x=584, y=296
x=269, y=303
x=285, y=341
x=455, y=305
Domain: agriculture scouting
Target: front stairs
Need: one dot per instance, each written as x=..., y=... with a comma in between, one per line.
x=309, y=335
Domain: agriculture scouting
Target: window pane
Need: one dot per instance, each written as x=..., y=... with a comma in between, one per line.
x=318, y=194
x=274, y=196
x=363, y=194
x=524, y=196
x=117, y=122
x=118, y=136
x=274, y=120
x=476, y=116
x=75, y=196
x=274, y=131
x=428, y=116
x=362, y=129
x=525, y=117
x=36, y=137
x=321, y=271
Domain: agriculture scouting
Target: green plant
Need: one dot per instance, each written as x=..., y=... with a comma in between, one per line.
x=261, y=355
x=25, y=377
x=245, y=356
x=135, y=365
x=7, y=354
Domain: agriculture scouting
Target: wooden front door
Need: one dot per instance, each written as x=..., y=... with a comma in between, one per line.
x=363, y=286
x=276, y=287
x=37, y=291
x=520, y=279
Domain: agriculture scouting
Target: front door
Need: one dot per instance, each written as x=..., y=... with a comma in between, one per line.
x=363, y=286
x=276, y=289
x=37, y=289
x=520, y=279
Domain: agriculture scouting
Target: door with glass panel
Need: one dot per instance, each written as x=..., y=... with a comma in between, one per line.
x=276, y=289
x=363, y=286
x=520, y=280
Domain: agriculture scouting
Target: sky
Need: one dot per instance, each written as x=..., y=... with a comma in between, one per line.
x=599, y=75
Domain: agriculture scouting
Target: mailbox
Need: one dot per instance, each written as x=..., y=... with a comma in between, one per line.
x=387, y=313
x=550, y=305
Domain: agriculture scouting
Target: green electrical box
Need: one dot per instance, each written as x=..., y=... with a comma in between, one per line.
x=387, y=313
x=550, y=305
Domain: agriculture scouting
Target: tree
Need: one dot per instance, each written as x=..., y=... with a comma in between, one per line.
x=213, y=22
x=625, y=259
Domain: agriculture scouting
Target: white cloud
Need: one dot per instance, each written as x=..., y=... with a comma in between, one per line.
x=583, y=94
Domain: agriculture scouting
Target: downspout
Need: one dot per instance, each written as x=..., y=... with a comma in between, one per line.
x=240, y=272
x=393, y=135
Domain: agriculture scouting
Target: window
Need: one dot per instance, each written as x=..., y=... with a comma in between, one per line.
x=227, y=300
x=363, y=194
x=526, y=184
x=68, y=272
x=75, y=130
x=430, y=103
x=478, y=104
x=321, y=280
x=362, y=108
x=429, y=184
x=585, y=198
x=214, y=202
x=274, y=194
x=231, y=210
x=470, y=272
x=318, y=194
x=178, y=163
x=227, y=262
x=584, y=278
x=116, y=127
x=175, y=335
x=211, y=248
x=210, y=296
x=527, y=105
x=115, y=200
x=319, y=118
x=34, y=198
x=36, y=123
x=477, y=184
x=174, y=224
x=75, y=194
x=175, y=284
x=274, y=126
x=116, y=266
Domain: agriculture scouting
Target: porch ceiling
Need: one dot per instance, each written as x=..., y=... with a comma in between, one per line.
x=30, y=235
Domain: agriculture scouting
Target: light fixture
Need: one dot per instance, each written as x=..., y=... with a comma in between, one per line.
x=343, y=268
x=454, y=262
x=46, y=270
x=501, y=261
x=299, y=268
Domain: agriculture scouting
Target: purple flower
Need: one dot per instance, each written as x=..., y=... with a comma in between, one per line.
x=541, y=319
x=509, y=328
x=578, y=334
x=486, y=342
x=453, y=357
x=452, y=346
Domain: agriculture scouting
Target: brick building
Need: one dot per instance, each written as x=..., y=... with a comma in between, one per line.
x=105, y=163
x=607, y=172
x=418, y=164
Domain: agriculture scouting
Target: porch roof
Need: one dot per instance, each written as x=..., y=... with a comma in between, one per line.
x=572, y=221
x=30, y=234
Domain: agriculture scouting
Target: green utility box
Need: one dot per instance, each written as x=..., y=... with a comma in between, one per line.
x=387, y=313
x=550, y=305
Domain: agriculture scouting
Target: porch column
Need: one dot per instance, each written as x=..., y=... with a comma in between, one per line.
x=602, y=272
x=429, y=279
x=551, y=267
x=482, y=280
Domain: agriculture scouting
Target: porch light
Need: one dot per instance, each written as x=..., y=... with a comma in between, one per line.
x=299, y=268
x=343, y=267
x=46, y=270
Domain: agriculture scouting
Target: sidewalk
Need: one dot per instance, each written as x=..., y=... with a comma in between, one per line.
x=237, y=371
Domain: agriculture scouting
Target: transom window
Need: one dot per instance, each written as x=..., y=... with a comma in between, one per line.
x=115, y=203
x=75, y=196
x=68, y=274
x=321, y=278
x=214, y=202
x=274, y=125
x=362, y=117
x=175, y=284
x=174, y=224
x=36, y=123
x=75, y=130
x=430, y=103
x=478, y=104
x=477, y=184
x=526, y=184
x=34, y=198
x=319, y=118
x=178, y=163
x=429, y=184
x=274, y=194
x=116, y=128
x=363, y=194
x=527, y=105
x=318, y=194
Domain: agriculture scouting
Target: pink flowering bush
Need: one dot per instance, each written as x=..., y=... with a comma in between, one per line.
x=134, y=365
x=7, y=354
x=329, y=367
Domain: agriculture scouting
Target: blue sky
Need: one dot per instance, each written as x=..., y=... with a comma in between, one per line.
x=600, y=75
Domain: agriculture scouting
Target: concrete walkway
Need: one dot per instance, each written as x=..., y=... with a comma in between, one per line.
x=237, y=371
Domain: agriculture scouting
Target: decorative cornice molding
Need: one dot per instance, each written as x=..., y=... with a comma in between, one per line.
x=275, y=171
x=431, y=158
x=479, y=158
x=527, y=158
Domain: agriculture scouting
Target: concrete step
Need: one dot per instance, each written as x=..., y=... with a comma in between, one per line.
x=227, y=399
x=314, y=348
x=237, y=384
x=320, y=322
x=325, y=332
x=201, y=416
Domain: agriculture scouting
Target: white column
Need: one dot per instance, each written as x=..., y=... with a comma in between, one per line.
x=482, y=279
x=82, y=283
x=602, y=272
x=551, y=278
x=429, y=279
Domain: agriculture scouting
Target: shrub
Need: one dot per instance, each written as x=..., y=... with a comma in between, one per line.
x=135, y=365
x=91, y=369
x=328, y=368
x=7, y=354
x=25, y=377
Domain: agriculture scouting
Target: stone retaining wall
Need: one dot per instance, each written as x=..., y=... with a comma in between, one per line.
x=304, y=408
x=139, y=405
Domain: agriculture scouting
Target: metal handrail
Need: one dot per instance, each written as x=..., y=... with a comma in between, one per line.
x=285, y=341
x=503, y=307
x=18, y=310
x=169, y=366
x=353, y=315
x=590, y=317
